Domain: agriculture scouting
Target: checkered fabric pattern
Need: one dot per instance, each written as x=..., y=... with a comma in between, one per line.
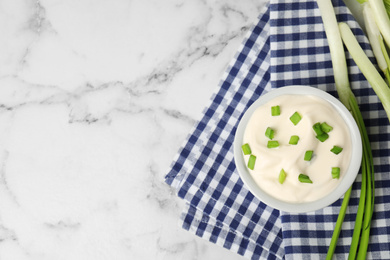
x=286, y=46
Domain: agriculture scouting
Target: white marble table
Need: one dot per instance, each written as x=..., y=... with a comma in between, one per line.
x=96, y=97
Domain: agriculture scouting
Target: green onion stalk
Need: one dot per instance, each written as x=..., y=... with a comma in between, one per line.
x=376, y=41
x=381, y=18
x=372, y=75
x=377, y=24
x=361, y=232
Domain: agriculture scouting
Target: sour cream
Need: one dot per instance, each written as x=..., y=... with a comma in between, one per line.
x=290, y=158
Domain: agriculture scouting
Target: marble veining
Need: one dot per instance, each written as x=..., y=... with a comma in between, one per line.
x=96, y=97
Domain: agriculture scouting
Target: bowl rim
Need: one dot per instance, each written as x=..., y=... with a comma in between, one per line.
x=346, y=182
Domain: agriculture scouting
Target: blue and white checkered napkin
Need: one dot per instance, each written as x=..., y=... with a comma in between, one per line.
x=286, y=46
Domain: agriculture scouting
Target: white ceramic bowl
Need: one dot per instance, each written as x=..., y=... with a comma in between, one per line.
x=344, y=184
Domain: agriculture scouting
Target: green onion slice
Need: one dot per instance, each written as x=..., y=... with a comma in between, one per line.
x=322, y=137
x=272, y=144
x=270, y=133
x=335, y=172
x=317, y=128
x=295, y=118
x=275, y=110
x=304, y=178
x=336, y=149
x=326, y=128
x=294, y=139
x=251, y=162
x=308, y=155
x=282, y=176
x=246, y=149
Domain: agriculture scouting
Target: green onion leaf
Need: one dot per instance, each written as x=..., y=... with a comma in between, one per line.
x=272, y=144
x=322, y=137
x=246, y=149
x=282, y=176
x=308, y=155
x=269, y=133
x=295, y=118
x=336, y=149
x=294, y=140
x=275, y=110
x=387, y=6
x=326, y=128
x=317, y=129
x=304, y=178
x=251, y=162
x=335, y=172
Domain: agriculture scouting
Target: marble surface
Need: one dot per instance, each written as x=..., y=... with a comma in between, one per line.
x=96, y=97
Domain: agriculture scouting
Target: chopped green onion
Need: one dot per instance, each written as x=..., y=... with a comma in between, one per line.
x=294, y=139
x=304, y=178
x=251, y=162
x=335, y=172
x=336, y=149
x=282, y=176
x=322, y=137
x=272, y=144
x=269, y=133
x=246, y=149
x=326, y=128
x=317, y=129
x=308, y=155
x=295, y=118
x=275, y=110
